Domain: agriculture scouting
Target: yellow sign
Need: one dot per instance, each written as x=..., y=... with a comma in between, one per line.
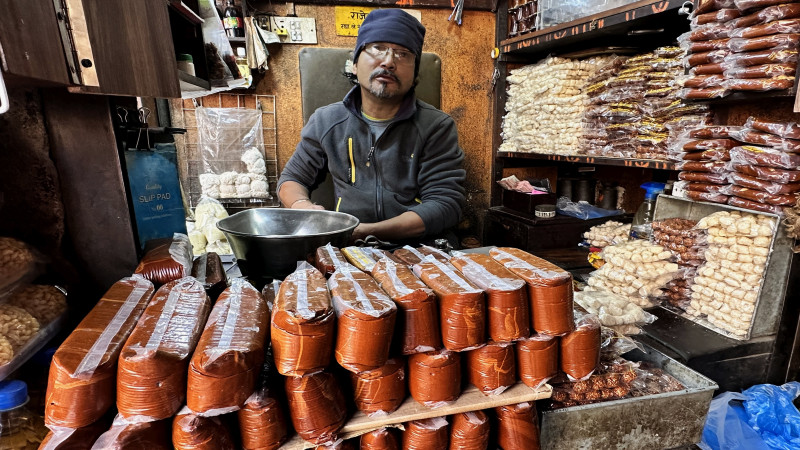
x=349, y=18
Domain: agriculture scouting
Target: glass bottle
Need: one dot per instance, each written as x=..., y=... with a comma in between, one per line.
x=20, y=429
x=233, y=21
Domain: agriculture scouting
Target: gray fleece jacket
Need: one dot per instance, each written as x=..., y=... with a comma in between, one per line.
x=415, y=165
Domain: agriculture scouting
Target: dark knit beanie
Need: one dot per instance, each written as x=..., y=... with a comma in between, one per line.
x=391, y=25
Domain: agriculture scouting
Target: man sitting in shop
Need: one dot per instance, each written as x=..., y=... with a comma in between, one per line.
x=395, y=161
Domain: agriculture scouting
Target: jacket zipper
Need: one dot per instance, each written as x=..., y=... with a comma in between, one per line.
x=352, y=161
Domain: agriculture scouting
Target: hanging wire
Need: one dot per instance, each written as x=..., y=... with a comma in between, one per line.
x=457, y=12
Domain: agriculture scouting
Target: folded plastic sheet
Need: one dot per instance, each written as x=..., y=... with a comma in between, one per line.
x=470, y=431
x=365, y=320
x=537, y=359
x=208, y=270
x=262, y=422
x=316, y=406
x=193, y=432
x=124, y=435
x=303, y=323
x=492, y=368
x=224, y=367
x=508, y=311
x=380, y=390
x=167, y=259
x=434, y=378
x=82, y=382
x=517, y=426
x=580, y=349
x=462, y=305
x=270, y=294
x=417, y=325
x=63, y=438
x=549, y=289
x=151, y=378
x=426, y=434
x=327, y=258
x=381, y=439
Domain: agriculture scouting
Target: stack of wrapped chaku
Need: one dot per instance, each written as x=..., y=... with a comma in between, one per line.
x=740, y=45
x=174, y=365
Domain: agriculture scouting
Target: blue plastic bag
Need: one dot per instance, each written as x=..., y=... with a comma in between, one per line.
x=760, y=418
x=583, y=210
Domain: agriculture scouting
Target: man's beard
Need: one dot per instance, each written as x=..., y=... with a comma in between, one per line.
x=380, y=89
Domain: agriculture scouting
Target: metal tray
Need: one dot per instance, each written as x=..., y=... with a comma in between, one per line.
x=660, y=421
x=767, y=314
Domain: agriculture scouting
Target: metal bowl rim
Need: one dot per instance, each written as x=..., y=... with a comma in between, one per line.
x=285, y=236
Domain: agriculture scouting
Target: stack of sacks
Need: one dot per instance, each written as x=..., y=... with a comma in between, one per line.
x=765, y=176
x=82, y=382
x=744, y=45
x=225, y=365
x=704, y=153
x=688, y=244
x=303, y=328
x=151, y=383
x=726, y=287
x=545, y=105
x=636, y=270
x=205, y=236
x=166, y=259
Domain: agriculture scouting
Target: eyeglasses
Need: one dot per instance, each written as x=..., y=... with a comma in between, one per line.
x=379, y=51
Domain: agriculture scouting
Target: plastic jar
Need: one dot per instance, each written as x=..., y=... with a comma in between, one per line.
x=185, y=63
x=20, y=429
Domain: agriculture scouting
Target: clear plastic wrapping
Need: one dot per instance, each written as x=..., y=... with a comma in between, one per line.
x=612, y=309
x=417, y=323
x=366, y=317
x=755, y=206
x=210, y=272
x=710, y=31
x=744, y=5
x=706, y=57
x=262, y=422
x=724, y=189
x=706, y=93
x=151, y=383
x=706, y=155
x=786, y=26
x=580, y=349
x=764, y=156
x=764, y=197
x=231, y=145
x=707, y=144
x=784, y=130
x=507, y=306
x=362, y=257
x=760, y=84
x=303, y=323
x=225, y=365
x=381, y=390
x=769, y=56
x=704, y=177
x=768, y=14
x=517, y=426
x=721, y=15
x=317, y=407
x=537, y=359
x=751, y=136
x=772, y=42
x=707, y=196
x=470, y=431
x=17, y=264
x=712, y=132
x=124, y=435
x=708, y=69
x=426, y=434
x=549, y=289
x=82, y=382
x=194, y=432
x=492, y=368
x=703, y=166
x=767, y=173
x=62, y=438
x=702, y=81
x=167, y=259
x=381, y=439
x=434, y=378
x=769, y=187
x=762, y=71
x=462, y=305
x=328, y=258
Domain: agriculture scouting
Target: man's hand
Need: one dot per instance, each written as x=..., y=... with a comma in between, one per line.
x=305, y=203
x=293, y=195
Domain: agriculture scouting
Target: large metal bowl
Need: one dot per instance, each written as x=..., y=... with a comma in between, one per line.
x=268, y=242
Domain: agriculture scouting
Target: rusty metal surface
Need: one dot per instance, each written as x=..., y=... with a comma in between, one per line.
x=660, y=421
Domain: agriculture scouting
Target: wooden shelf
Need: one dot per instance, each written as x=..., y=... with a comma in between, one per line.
x=596, y=160
x=192, y=83
x=185, y=12
x=470, y=400
x=633, y=21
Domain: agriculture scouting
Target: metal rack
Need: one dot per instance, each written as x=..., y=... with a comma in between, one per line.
x=266, y=103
